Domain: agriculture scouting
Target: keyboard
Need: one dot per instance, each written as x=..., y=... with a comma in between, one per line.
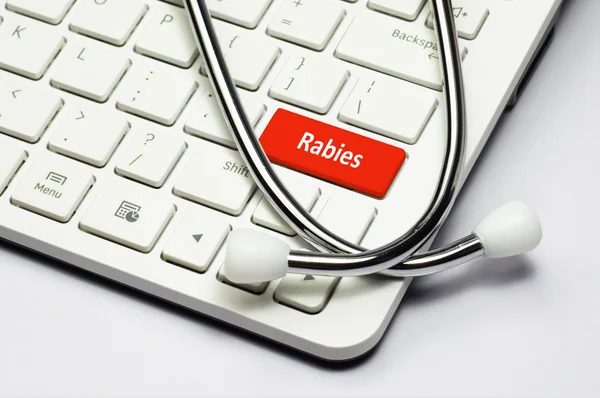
x=115, y=159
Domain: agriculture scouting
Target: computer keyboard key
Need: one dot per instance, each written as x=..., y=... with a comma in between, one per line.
x=246, y=13
x=396, y=42
x=51, y=11
x=266, y=216
x=206, y=120
x=88, y=135
x=306, y=293
x=25, y=111
x=11, y=159
x=168, y=37
x=218, y=178
x=309, y=23
x=128, y=214
x=196, y=242
x=90, y=69
x=249, y=58
x=27, y=47
x=149, y=156
x=107, y=20
x=403, y=118
x=309, y=83
x=347, y=217
x=53, y=188
x=405, y=9
x=330, y=153
x=469, y=16
x=156, y=91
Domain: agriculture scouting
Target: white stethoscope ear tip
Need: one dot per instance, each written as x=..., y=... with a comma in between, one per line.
x=511, y=229
x=252, y=257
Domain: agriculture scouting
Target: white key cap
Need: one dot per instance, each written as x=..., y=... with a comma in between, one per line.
x=309, y=23
x=28, y=47
x=306, y=293
x=249, y=58
x=196, y=242
x=53, y=188
x=469, y=16
x=11, y=158
x=206, y=121
x=390, y=107
x=156, y=91
x=168, y=37
x=89, y=135
x=111, y=21
x=309, y=83
x=397, y=41
x=217, y=177
x=90, y=69
x=267, y=217
x=175, y=2
x=128, y=214
x=254, y=288
x=405, y=9
x=149, y=157
x=51, y=11
x=25, y=112
x=245, y=13
x=347, y=218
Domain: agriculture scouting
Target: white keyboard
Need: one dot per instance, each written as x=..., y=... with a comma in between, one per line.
x=114, y=157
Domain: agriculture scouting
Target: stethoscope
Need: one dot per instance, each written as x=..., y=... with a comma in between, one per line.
x=252, y=256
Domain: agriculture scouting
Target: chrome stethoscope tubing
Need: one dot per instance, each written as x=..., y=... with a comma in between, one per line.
x=340, y=257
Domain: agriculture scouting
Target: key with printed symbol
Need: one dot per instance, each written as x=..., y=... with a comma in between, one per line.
x=405, y=9
x=28, y=47
x=128, y=214
x=111, y=21
x=51, y=11
x=267, y=217
x=335, y=218
x=245, y=13
x=309, y=23
x=218, y=178
x=403, y=118
x=168, y=37
x=53, y=188
x=306, y=293
x=249, y=58
x=90, y=69
x=149, y=157
x=397, y=41
x=469, y=16
x=89, y=135
x=26, y=112
x=196, y=242
x=206, y=120
x=309, y=83
x=11, y=159
x=156, y=91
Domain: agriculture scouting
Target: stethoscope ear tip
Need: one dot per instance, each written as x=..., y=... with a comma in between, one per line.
x=513, y=228
x=252, y=256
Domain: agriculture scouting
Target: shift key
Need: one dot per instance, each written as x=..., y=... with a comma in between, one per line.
x=389, y=45
x=217, y=177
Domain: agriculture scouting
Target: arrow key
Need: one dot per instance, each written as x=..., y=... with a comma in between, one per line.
x=306, y=293
x=196, y=242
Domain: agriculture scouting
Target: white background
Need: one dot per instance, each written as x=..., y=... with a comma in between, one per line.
x=527, y=325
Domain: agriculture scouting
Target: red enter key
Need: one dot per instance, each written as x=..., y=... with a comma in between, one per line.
x=331, y=153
